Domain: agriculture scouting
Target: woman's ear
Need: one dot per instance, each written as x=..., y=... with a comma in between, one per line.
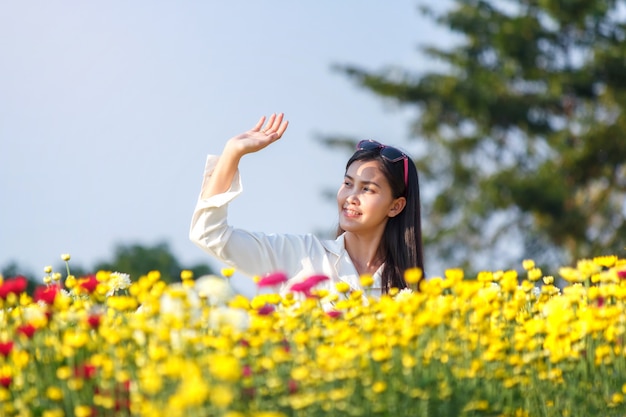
x=397, y=206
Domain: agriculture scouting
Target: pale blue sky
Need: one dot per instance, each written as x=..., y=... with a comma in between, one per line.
x=108, y=109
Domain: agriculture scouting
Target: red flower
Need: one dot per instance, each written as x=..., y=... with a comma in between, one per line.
x=86, y=371
x=272, y=280
x=249, y=392
x=88, y=283
x=94, y=321
x=46, y=293
x=286, y=346
x=27, y=330
x=15, y=285
x=293, y=386
x=621, y=274
x=265, y=310
x=246, y=371
x=6, y=348
x=5, y=381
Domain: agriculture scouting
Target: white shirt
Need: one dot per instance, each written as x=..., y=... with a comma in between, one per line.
x=257, y=254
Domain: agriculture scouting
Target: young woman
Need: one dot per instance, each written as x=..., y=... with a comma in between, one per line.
x=379, y=231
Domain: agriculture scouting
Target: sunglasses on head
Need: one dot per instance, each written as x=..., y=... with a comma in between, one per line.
x=390, y=153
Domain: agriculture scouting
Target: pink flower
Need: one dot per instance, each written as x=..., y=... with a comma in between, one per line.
x=272, y=280
x=307, y=285
x=333, y=313
x=316, y=279
x=621, y=274
x=265, y=310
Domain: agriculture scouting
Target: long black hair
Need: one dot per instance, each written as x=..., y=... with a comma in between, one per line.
x=401, y=245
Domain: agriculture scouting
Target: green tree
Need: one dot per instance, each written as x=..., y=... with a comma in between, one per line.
x=522, y=131
x=137, y=260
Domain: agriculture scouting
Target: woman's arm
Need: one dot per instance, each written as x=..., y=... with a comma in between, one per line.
x=251, y=141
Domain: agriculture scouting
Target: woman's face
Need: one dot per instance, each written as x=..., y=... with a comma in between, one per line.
x=365, y=200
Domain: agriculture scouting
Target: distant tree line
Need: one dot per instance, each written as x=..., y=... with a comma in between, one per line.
x=133, y=259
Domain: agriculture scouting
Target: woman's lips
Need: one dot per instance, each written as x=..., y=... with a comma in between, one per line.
x=350, y=213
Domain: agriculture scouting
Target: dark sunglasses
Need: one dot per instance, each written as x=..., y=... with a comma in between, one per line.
x=390, y=153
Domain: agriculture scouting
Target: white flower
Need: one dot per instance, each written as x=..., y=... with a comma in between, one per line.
x=178, y=300
x=403, y=295
x=236, y=318
x=118, y=281
x=217, y=290
x=34, y=313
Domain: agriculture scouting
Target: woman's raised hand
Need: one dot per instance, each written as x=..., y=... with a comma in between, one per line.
x=255, y=139
x=261, y=135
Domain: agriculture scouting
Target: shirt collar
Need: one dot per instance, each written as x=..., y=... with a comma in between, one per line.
x=337, y=246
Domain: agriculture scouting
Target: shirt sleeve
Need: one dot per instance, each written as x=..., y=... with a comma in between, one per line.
x=249, y=253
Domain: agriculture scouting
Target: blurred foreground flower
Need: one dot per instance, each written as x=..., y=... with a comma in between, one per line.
x=490, y=345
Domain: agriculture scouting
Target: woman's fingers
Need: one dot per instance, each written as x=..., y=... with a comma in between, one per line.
x=268, y=126
x=274, y=125
x=259, y=124
x=282, y=128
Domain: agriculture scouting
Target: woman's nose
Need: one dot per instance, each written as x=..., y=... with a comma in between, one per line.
x=352, y=198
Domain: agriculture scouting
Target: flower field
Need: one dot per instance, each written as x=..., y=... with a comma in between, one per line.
x=503, y=343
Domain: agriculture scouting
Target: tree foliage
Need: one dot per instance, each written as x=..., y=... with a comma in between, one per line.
x=130, y=258
x=137, y=260
x=522, y=131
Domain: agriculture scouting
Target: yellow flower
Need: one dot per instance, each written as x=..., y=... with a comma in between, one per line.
x=617, y=398
x=455, y=274
x=65, y=257
x=75, y=338
x=57, y=412
x=82, y=411
x=54, y=393
x=228, y=272
x=571, y=275
x=534, y=274
x=70, y=281
x=64, y=372
x=413, y=275
x=186, y=274
x=300, y=373
x=222, y=396
x=379, y=386
x=366, y=280
x=342, y=287
x=226, y=368
x=528, y=264
x=476, y=405
x=606, y=261
x=485, y=276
